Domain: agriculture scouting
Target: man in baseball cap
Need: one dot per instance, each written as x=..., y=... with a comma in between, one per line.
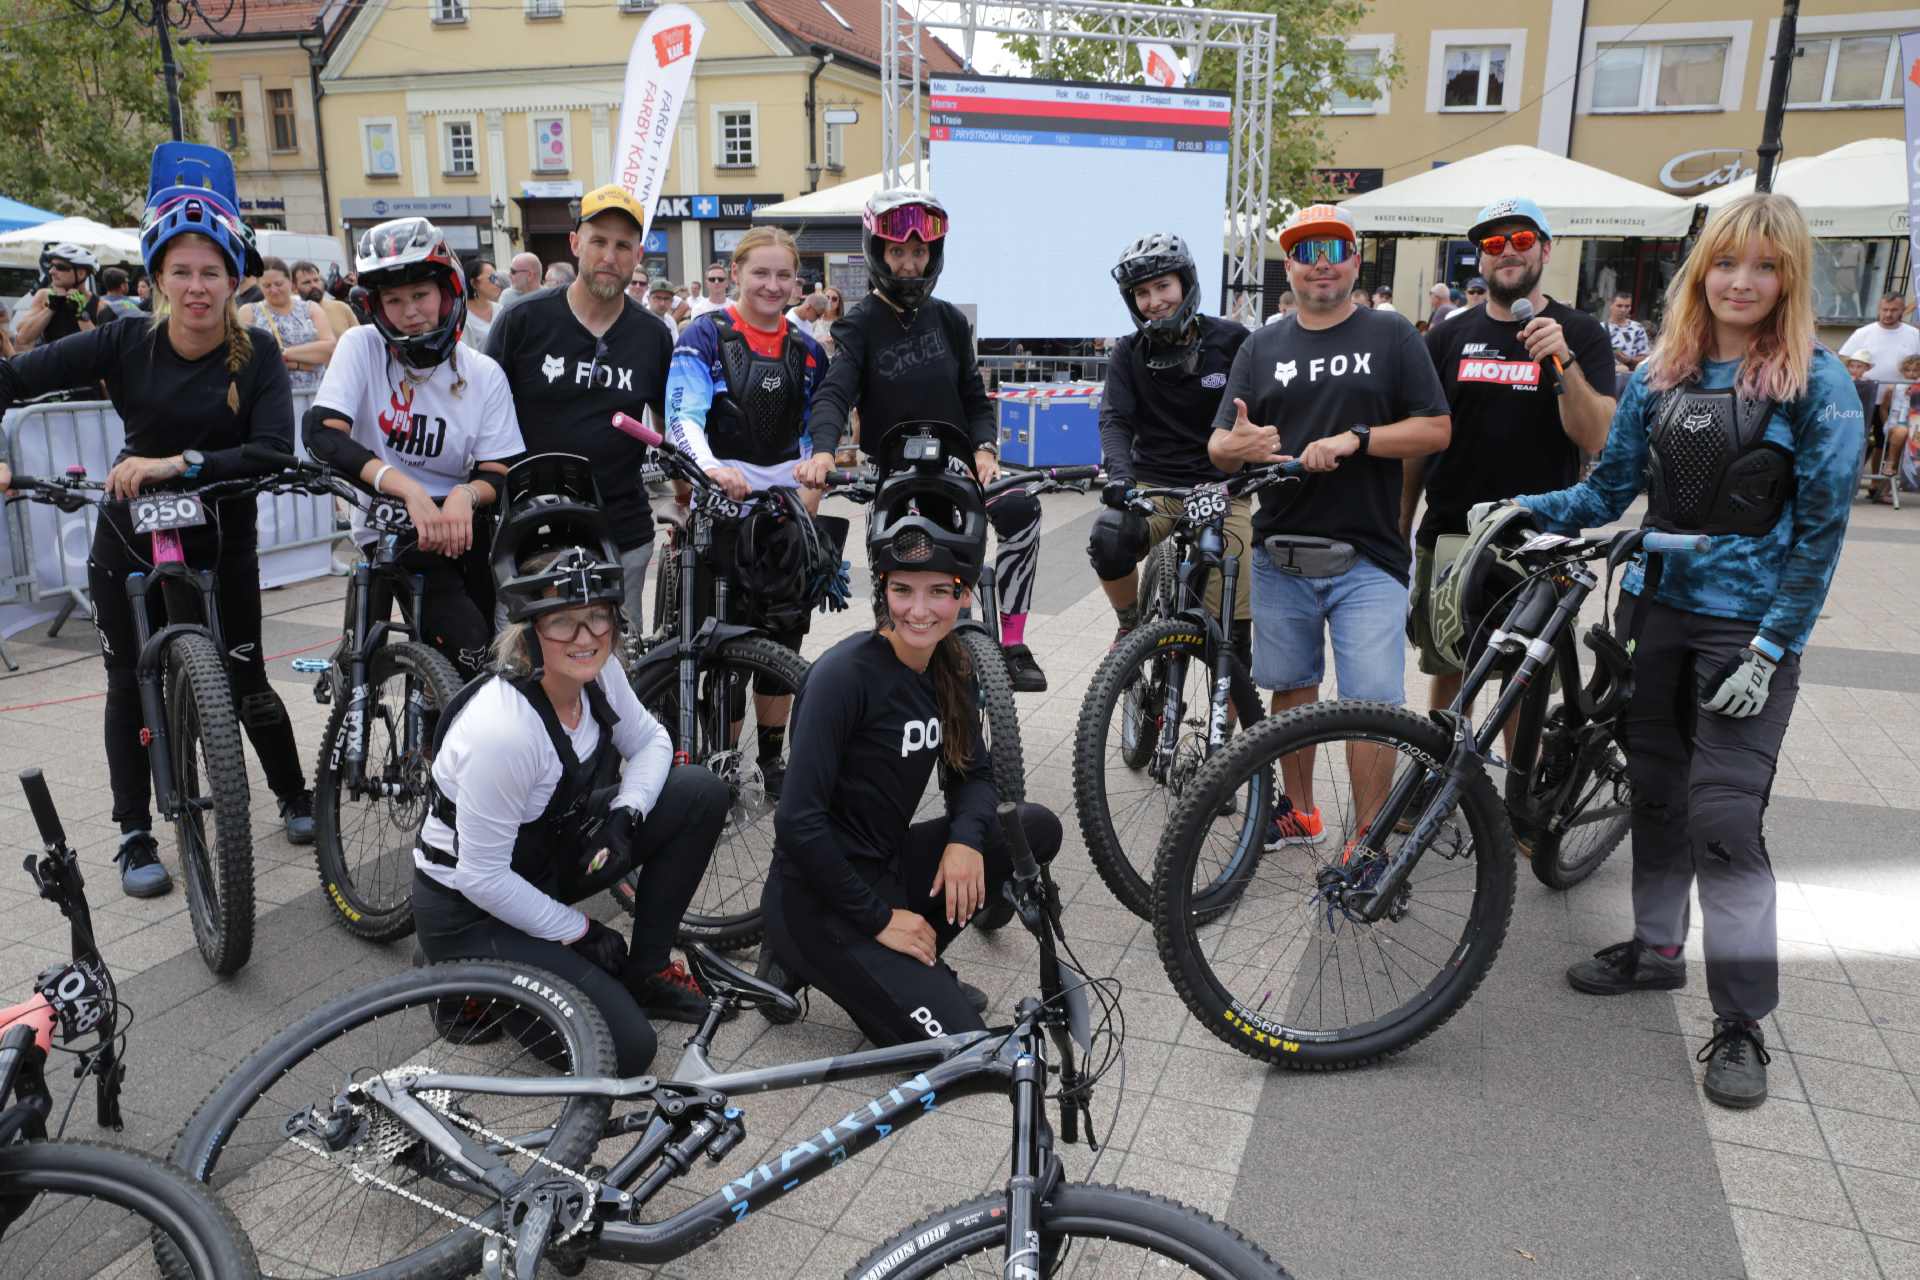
x=612, y=198
x=1317, y=220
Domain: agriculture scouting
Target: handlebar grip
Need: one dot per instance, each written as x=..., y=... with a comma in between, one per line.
x=261, y=455
x=1678, y=543
x=845, y=475
x=45, y=816
x=1067, y=475
x=1018, y=850
x=637, y=429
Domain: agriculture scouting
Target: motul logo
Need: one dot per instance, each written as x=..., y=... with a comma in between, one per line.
x=673, y=44
x=1514, y=373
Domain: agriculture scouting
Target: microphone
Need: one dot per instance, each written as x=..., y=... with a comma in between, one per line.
x=1522, y=309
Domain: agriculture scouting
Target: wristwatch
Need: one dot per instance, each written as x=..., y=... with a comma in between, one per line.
x=194, y=460
x=1365, y=436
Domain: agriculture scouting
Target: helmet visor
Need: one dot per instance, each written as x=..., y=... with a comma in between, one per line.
x=895, y=225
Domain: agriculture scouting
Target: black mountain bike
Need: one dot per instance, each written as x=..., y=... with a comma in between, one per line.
x=387, y=689
x=1337, y=955
x=192, y=734
x=702, y=678
x=77, y=1210
x=441, y=1122
x=1166, y=699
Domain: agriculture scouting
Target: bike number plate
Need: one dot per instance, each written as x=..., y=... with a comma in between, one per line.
x=1208, y=502
x=172, y=511
x=77, y=994
x=719, y=505
x=389, y=517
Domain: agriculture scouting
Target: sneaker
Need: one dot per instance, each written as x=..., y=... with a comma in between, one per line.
x=773, y=776
x=1026, y=673
x=1295, y=826
x=297, y=812
x=1627, y=966
x=671, y=995
x=141, y=875
x=1736, y=1061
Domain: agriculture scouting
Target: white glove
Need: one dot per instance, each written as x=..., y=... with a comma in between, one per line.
x=1740, y=688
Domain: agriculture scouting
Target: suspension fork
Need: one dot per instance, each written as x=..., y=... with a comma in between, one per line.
x=153, y=703
x=689, y=673
x=354, y=753
x=1025, y=1188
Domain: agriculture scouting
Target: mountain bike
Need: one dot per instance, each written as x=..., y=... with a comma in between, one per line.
x=387, y=689
x=1166, y=699
x=192, y=734
x=441, y=1122
x=696, y=675
x=1335, y=956
x=76, y=1210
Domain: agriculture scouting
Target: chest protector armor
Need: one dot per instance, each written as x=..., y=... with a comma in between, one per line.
x=758, y=418
x=544, y=847
x=1708, y=468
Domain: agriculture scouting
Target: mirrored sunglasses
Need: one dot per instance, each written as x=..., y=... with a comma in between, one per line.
x=1521, y=241
x=1332, y=248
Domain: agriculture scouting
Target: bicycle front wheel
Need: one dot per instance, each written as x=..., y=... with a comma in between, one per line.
x=372, y=1199
x=80, y=1210
x=1085, y=1230
x=1288, y=975
x=725, y=911
x=366, y=821
x=213, y=831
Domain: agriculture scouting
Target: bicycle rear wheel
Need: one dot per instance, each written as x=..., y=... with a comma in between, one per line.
x=725, y=911
x=1572, y=805
x=366, y=832
x=316, y=1209
x=213, y=832
x=1000, y=726
x=80, y=1210
x=1285, y=975
x=1085, y=1230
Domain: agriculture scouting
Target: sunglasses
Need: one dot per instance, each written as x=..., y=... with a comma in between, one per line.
x=1333, y=249
x=1494, y=246
x=566, y=625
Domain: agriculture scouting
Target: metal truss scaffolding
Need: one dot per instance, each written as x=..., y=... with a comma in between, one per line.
x=1252, y=39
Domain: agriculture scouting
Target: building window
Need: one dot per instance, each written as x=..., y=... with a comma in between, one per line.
x=1362, y=64
x=836, y=147
x=546, y=8
x=449, y=11
x=637, y=6
x=1659, y=77
x=456, y=142
x=230, y=122
x=380, y=147
x=286, y=136
x=1849, y=277
x=733, y=132
x=552, y=148
x=1846, y=71
x=1476, y=77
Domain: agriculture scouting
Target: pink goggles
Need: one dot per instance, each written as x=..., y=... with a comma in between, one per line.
x=905, y=220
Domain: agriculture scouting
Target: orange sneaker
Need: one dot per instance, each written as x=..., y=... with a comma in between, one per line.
x=1296, y=827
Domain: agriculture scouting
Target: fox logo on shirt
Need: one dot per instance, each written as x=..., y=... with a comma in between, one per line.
x=1285, y=371
x=919, y=735
x=553, y=367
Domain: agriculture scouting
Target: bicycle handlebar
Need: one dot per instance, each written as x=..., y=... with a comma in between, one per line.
x=638, y=430
x=40, y=800
x=1677, y=543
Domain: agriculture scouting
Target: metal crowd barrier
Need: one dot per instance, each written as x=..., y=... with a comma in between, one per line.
x=998, y=369
x=43, y=551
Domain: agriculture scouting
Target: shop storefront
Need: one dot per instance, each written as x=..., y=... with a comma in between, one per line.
x=467, y=221
x=546, y=219
x=702, y=228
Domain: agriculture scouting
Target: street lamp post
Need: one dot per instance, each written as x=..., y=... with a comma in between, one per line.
x=160, y=15
x=1783, y=56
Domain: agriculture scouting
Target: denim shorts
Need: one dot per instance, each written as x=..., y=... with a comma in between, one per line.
x=1366, y=610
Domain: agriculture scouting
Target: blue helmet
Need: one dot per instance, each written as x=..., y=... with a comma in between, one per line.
x=178, y=211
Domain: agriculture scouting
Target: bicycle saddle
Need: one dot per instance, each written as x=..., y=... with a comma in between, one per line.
x=719, y=978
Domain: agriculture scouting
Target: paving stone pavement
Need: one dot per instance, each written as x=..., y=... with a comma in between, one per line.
x=1539, y=1134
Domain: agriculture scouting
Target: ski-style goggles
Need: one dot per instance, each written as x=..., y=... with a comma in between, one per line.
x=896, y=224
x=1334, y=249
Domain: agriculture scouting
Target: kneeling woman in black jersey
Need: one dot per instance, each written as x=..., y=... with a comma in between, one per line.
x=862, y=900
x=531, y=807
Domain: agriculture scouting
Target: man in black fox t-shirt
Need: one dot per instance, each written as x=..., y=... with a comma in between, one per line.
x=1514, y=431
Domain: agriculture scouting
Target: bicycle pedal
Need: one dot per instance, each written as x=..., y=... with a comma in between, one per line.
x=311, y=666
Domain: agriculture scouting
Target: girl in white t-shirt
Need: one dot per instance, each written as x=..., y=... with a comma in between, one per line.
x=408, y=412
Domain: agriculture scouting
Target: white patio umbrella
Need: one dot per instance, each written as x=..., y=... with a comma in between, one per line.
x=111, y=245
x=1578, y=199
x=1857, y=191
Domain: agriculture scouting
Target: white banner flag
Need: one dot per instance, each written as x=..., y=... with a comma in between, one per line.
x=658, y=71
x=1162, y=65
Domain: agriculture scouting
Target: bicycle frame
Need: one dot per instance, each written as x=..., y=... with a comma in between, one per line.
x=175, y=578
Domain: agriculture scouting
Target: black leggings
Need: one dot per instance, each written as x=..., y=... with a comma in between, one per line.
x=458, y=600
x=891, y=996
x=676, y=842
x=236, y=562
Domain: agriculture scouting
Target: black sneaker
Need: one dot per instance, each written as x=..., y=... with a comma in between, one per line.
x=1627, y=966
x=1026, y=673
x=671, y=995
x=1736, y=1061
x=773, y=776
x=297, y=812
x=141, y=875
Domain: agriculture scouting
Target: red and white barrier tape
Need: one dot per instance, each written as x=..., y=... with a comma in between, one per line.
x=1047, y=393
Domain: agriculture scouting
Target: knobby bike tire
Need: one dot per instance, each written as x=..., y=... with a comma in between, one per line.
x=738, y=871
x=213, y=780
x=235, y=1142
x=188, y=1234
x=1159, y=581
x=666, y=585
x=1563, y=860
x=1076, y=1216
x=1137, y=669
x=377, y=904
x=1189, y=958
x=1000, y=722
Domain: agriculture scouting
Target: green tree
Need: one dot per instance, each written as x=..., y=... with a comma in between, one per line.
x=1311, y=65
x=82, y=105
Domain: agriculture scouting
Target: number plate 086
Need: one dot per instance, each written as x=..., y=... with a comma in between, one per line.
x=172, y=511
x=1206, y=503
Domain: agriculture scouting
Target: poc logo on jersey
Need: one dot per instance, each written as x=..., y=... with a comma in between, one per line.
x=1513, y=373
x=919, y=735
x=925, y=1018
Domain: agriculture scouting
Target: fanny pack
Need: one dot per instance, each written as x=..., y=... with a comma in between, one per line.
x=1305, y=557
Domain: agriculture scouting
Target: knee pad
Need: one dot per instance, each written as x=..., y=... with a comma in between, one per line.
x=260, y=710
x=1013, y=511
x=1119, y=541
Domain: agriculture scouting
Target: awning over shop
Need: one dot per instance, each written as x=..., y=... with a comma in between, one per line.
x=1578, y=199
x=1858, y=191
x=844, y=201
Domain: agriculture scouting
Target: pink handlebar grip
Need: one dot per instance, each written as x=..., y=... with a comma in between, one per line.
x=637, y=429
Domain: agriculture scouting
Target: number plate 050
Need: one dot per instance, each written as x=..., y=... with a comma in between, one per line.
x=173, y=511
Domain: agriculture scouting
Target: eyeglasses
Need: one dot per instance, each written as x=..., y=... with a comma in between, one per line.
x=1471, y=292
x=1521, y=241
x=716, y=279
x=1331, y=248
x=566, y=625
